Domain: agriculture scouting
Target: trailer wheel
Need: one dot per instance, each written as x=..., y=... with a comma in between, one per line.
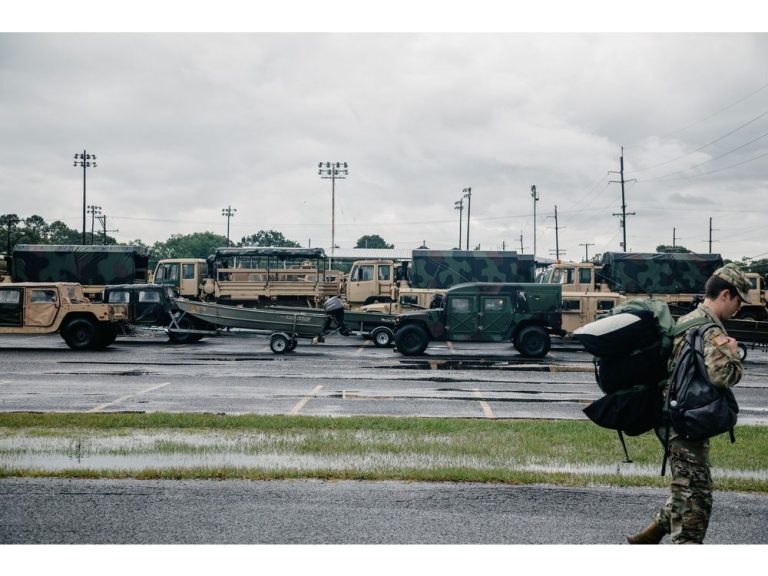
x=382, y=337
x=80, y=333
x=533, y=342
x=279, y=343
x=411, y=340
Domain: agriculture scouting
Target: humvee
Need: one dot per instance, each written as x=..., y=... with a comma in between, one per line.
x=526, y=314
x=59, y=307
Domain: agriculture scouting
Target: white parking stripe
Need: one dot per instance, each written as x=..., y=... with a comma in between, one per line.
x=300, y=404
x=484, y=405
x=124, y=398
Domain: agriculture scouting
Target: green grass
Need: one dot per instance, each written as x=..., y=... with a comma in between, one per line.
x=572, y=453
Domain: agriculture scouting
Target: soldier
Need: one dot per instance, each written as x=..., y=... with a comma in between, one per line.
x=685, y=516
x=334, y=312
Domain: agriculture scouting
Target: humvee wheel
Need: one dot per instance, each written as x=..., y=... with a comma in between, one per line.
x=185, y=323
x=80, y=333
x=742, y=350
x=279, y=343
x=533, y=342
x=411, y=340
x=382, y=337
x=292, y=343
x=107, y=334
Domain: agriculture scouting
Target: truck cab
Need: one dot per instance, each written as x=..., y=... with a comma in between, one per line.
x=526, y=314
x=184, y=275
x=369, y=282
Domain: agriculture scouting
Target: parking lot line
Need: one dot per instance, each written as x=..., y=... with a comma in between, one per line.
x=128, y=397
x=363, y=346
x=484, y=405
x=300, y=404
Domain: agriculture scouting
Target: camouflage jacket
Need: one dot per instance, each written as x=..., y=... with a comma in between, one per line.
x=723, y=366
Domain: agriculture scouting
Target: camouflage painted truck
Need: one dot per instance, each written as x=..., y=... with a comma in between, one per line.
x=93, y=267
x=590, y=289
x=386, y=286
x=525, y=314
x=59, y=307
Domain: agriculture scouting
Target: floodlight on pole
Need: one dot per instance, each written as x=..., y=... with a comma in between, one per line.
x=468, y=195
x=459, y=205
x=535, y=197
x=229, y=212
x=333, y=171
x=86, y=161
x=93, y=211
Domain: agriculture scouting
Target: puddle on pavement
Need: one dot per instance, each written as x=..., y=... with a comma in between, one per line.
x=138, y=451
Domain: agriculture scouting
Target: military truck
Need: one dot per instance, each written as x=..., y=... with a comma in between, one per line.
x=59, y=307
x=757, y=309
x=93, y=267
x=253, y=277
x=589, y=289
x=525, y=314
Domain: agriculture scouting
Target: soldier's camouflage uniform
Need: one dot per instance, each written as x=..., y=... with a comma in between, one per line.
x=686, y=514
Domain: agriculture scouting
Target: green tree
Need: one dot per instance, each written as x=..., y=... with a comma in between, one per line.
x=9, y=232
x=666, y=249
x=268, y=238
x=60, y=233
x=196, y=245
x=372, y=241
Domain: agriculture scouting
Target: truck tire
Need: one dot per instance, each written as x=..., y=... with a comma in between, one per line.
x=533, y=342
x=411, y=340
x=382, y=337
x=185, y=323
x=106, y=335
x=80, y=333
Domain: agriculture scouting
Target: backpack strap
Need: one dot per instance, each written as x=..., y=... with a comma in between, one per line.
x=686, y=325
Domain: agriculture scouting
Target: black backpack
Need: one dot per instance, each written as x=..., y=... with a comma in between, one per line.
x=631, y=346
x=695, y=408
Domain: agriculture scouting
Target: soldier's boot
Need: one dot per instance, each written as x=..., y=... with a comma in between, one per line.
x=651, y=535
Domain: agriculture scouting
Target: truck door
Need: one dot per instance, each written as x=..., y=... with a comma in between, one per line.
x=41, y=305
x=11, y=304
x=461, y=317
x=188, y=285
x=494, y=318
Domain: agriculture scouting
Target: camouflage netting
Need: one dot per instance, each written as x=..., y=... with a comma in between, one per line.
x=89, y=265
x=639, y=273
x=446, y=268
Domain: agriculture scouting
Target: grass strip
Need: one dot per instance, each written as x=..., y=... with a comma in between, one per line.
x=564, y=452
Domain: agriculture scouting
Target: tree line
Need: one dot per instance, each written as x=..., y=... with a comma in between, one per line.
x=35, y=230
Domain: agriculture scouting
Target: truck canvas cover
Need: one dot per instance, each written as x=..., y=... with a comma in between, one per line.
x=88, y=265
x=643, y=273
x=445, y=268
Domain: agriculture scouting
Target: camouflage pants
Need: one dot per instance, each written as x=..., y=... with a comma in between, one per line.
x=685, y=516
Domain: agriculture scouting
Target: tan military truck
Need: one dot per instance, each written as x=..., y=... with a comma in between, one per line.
x=590, y=289
x=757, y=309
x=60, y=307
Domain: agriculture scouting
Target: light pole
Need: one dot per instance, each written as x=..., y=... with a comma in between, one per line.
x=535, y=197
x=86, y=161
x=333, y=171
x=229, y=212
x=468, y=196
x=93, y=211
x=459, y=205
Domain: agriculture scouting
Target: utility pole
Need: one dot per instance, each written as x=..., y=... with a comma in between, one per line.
x=586, y=250
x=85, y=162
x=103, y=221
x=624, y=212
x=459, y=205
x=674, y=230
x=535, y=197
x=710, y=235
x=334, y=171
x=468, y=195
x=93, y=211
x=522, y=250
x=557, y=237
x=229, y=212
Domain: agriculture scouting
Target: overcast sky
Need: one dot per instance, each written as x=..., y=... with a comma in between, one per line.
x=184, y=125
